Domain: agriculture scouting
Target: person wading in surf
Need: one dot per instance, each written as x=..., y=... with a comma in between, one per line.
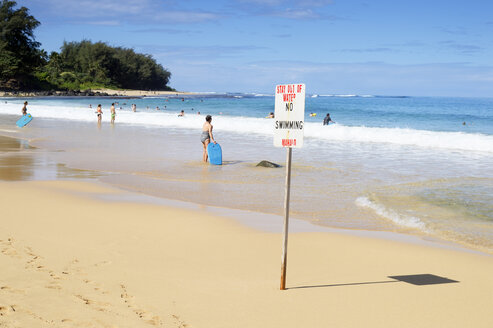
x=206, y=136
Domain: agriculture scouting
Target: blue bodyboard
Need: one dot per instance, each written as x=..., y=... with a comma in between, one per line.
x=215, y=154
x=24, y=120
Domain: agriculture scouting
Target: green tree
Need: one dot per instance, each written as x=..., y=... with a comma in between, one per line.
x=20, y=55
x=99, y=65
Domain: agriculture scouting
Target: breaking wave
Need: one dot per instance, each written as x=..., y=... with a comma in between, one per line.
x=262, y=126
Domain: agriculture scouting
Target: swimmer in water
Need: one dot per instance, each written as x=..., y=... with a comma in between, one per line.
x=327, y=119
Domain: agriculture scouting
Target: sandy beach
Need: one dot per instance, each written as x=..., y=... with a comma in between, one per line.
x=111, y=92
x=69, y=258
x=81, y=248
x=127, y=204
x=141, y=93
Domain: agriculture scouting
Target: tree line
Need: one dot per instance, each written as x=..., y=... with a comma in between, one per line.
x=78, y=66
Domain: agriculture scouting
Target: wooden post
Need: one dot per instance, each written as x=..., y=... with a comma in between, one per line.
x=284, y=258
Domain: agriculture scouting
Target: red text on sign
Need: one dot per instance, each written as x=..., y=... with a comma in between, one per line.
x=288, y=142
x=288, y=97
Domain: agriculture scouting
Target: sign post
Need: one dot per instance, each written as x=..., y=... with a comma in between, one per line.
x=288, y=133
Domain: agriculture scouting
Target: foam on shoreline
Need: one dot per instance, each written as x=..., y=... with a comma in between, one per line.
x=461, y=141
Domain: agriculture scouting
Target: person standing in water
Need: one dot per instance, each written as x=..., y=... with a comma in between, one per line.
x=206, y=136
x=113, y=113
x=327, y=119
x=24, y=109
x=99, y=112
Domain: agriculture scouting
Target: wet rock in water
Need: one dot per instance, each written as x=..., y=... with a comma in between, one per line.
x=268, y=164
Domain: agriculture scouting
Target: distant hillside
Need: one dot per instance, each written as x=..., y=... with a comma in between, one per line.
x=86, y=65
x=78, y=66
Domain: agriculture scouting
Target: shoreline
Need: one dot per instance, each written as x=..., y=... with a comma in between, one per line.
x=271, y=223
x=275, y=224
x=257, y=220
x=85, y=253
x=92, y=93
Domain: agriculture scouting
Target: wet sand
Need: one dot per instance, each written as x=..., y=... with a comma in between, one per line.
x=346, y=185
x=77, y=253
x=19, y=161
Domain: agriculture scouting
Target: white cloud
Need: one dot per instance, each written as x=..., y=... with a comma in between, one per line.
x=289, y=3
x=290, y=9
x=143, y=11
x=459, y=79
x=297, y=14
x=88, y=8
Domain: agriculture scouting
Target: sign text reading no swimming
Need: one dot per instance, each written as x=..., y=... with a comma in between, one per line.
x=289, y=115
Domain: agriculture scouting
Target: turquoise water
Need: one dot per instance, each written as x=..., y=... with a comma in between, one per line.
x=420, y=113
x=407, y=164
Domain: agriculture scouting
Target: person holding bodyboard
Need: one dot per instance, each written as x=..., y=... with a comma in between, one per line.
x=211, y=147
x=26, y=117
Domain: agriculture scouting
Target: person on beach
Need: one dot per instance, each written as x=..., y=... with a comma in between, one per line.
x=206, y=136
x=327, y=119
x=182, y=113
x=24, y=109
x=271, y=115
x=134, y=107
x=113, y=113
x=99, y=112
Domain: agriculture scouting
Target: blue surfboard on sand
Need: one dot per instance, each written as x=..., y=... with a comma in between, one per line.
x=215, y=154
x=24, y=120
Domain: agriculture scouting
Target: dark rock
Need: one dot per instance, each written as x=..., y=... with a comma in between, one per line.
x=268, y=164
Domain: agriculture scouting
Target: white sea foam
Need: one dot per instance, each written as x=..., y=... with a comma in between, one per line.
x=340, y=96
x=399, y=136
x=262, y=126
x=399, y=219
x=348, y=96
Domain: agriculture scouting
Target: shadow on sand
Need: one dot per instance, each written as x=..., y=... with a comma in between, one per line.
x=414, y=279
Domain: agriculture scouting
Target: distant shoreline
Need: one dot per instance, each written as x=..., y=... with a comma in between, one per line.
x=92, y=93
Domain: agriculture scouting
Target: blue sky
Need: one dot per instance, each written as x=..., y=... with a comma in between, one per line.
x=380, y=47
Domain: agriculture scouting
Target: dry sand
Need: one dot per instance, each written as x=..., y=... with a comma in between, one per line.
x=141, y=93
x=124, y=93
x=69, y=259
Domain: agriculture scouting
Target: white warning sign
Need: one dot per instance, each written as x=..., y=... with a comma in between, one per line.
x=289, y=116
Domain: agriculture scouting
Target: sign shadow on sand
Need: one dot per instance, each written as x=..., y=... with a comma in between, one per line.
x=413, y=279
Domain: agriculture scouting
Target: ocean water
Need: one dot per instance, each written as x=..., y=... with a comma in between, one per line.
x=407, y=164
